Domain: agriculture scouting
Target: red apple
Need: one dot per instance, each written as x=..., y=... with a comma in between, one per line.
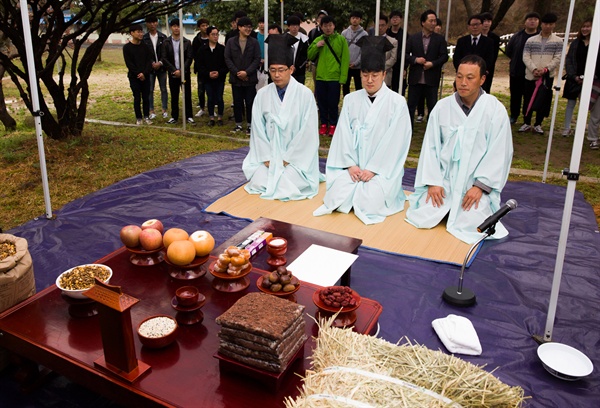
x=150, y=239
x=154, y=223
x=130, y=235
x=203, y=242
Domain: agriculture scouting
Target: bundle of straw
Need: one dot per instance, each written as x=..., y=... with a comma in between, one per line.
x=355, y=370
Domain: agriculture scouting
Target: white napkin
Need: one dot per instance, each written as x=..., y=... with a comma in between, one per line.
x=458, y=335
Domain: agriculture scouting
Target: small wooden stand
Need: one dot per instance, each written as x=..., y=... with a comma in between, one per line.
x=116, y=330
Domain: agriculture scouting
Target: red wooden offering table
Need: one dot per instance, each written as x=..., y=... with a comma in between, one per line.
x=183, y=374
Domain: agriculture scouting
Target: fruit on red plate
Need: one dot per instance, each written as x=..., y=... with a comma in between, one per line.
x=174, y=234
x=181, y=252
x=130, y=235
x=153, y=223
x=151, y=239
x=203, y=242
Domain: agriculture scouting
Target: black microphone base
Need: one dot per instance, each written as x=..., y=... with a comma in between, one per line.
x=465, y=298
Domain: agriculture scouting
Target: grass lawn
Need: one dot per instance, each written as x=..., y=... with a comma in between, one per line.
x=106, y=154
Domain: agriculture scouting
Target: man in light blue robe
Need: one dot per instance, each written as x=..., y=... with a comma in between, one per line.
x=283, y=161
x=365, y=164
x=465, y=158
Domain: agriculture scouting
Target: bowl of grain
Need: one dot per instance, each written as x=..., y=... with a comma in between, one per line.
x=73, y=282
x=157, y=331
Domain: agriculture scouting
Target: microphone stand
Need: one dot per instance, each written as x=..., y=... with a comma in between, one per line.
x=457, y=295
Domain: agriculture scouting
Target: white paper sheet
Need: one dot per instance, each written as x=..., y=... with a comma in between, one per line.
x=321, y=265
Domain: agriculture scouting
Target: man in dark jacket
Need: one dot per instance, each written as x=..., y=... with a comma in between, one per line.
x=395, y=31
x=212, y=70
x=154, y=39
x=300, y=49
x=514, y=51
x=475, y=43
x=200, y=40
x=138, y=58
x=426, y=53
x=488, y=18
x=242, y=56
x=170, y=59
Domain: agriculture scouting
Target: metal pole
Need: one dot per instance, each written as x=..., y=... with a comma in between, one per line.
x=557, y=89
x=281, y=14
x=573, y=171
x=35, y=102
x=182, y=67
x=448, y=18
x=377, y=14
x=266, y=17
x=403, y=56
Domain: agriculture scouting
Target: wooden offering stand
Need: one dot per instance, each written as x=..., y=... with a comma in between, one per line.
x=114, y=312
x=193, y=270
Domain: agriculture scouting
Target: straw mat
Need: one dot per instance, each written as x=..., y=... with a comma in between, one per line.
x=393, y=235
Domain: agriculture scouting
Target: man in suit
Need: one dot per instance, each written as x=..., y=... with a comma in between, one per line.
x=170, y=59
x=475, y=43
x=426, y=53
x=154, y=39
x=488, y=18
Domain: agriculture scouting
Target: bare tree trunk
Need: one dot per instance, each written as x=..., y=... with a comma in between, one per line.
x=468, y=7
x=542, y=6
x=9, y=123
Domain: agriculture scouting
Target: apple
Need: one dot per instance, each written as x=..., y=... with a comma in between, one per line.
x=151, y=239
x=181, y=252
x=154, y=223
x=203, y=242
x=174, y=234
x=130, y=236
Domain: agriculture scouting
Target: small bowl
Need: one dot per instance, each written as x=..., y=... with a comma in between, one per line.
x=157, y=334
x=187, y=295
x=78, y=293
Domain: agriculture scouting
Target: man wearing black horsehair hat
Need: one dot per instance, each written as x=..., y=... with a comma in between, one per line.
x=283, y=161
x=366, y=159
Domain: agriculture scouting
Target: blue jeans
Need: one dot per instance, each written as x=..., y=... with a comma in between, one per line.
x=162, y=83
x=214, y=93
x=328, y=99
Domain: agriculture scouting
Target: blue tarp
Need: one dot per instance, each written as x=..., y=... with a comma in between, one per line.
x=511, y=277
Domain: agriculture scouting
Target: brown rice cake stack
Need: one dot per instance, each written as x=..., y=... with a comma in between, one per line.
x=262, y=331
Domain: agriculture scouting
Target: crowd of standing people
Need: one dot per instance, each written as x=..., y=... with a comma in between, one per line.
x=333, y=59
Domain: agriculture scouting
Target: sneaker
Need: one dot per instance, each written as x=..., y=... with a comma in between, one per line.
x=152, y=116
x=165, y=115
x=236, y=129
x=148, y=121
x=566, y=132
x=190, y=121
x=538, y=129
x=211, y=122
x=200, y=113
x=138, y=122
x=171, y=121
x=419, y=119
x=595, y=145
x=525, y=128
x=322, y=130
x=219, y=122
x=331, y=130
x=248, y=130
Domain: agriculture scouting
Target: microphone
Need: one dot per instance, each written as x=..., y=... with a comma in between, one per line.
x=494, y=218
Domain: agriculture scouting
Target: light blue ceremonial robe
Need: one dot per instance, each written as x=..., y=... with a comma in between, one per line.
x=457, y=150
x=373, y=136
x=283, y=131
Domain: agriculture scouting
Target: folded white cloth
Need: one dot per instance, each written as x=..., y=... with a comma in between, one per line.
x=458, y=335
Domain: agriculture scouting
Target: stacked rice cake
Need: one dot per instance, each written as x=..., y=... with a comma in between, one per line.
x=262, y=331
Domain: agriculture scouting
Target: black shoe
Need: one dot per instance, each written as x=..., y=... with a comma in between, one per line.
x=237, y=129
x=211, y=123
x=219, y=122
x=248, y=130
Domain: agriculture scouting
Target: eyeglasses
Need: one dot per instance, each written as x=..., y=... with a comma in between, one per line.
x=475, y=24
x=279, y=71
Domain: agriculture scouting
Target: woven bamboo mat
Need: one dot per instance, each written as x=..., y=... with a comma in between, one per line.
x=393, y=235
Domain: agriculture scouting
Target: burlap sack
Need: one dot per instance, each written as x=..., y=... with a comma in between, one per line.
x=17, y=281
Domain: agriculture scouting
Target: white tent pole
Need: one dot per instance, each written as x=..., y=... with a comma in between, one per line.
x=403, y=56
x=182, y=68
x=281, y=14
x=377, y=14
x=437, y=7
x=35, y=102
x=557, y=88
x=266, y=17
x=448, y=18
x=573, y=172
